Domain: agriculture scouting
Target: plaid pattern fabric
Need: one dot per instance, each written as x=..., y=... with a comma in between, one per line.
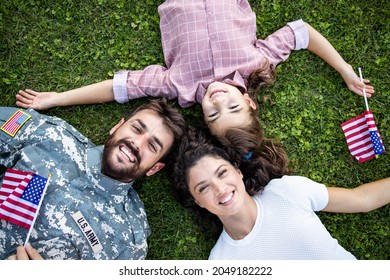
x=206, y=41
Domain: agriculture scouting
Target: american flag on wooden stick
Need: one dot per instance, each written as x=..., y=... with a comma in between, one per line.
x=363, y=139
x=21, y=194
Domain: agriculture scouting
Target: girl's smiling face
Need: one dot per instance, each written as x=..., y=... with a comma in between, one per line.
x=224, y=106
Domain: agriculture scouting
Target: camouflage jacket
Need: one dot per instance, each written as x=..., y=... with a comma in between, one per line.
x=84, y=214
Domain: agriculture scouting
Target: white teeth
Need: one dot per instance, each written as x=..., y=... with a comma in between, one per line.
x=227, y=199
x=128, y=153
x=215, y=92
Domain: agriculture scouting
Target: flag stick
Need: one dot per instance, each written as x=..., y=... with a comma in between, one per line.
x=36, y=214
x=364, y=89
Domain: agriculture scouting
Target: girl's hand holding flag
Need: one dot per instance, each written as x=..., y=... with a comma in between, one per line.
x=362, y=135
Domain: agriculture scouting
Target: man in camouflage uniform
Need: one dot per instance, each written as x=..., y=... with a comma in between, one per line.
x=90, y=210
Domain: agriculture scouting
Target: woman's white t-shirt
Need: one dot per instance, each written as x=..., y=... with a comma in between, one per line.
x=287, y=226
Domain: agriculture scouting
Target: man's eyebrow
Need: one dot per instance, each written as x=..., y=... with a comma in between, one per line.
x=234, y=111
x=141, y=123
x=158, y=142
x=145, y=127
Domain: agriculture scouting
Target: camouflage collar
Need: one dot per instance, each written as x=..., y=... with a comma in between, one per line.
x=101, y=181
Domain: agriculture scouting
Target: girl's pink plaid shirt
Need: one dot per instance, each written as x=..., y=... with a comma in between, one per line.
x=206, y=41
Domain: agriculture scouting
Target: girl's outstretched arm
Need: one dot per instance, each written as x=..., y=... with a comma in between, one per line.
x=365, y=198
x=320, y=46
x=96, y=93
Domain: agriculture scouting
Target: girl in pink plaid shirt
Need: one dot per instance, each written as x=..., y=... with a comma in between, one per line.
x=213, y=58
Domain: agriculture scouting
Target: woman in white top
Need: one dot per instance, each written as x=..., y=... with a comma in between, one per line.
x=268, y=220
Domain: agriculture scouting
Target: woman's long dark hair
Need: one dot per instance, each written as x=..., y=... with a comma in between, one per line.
x=268, y=161
x=260, y=159
x=194, y=146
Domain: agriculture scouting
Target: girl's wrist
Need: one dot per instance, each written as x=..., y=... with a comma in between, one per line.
x=344, y=69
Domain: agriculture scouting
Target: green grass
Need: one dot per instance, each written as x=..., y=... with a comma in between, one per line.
x=60, y=45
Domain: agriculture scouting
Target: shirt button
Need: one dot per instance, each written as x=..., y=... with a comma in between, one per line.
x=210, y=13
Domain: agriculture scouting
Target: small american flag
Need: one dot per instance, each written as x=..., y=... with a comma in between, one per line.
x=362, y=135
x=15, y=122
x=20, y=197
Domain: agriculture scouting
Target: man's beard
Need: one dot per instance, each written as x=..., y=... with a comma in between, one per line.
x=125, y=173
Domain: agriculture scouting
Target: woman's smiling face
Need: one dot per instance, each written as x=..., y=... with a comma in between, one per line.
x=217, y=186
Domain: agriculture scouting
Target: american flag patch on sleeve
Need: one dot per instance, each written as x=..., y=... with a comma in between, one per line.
x=15, y=122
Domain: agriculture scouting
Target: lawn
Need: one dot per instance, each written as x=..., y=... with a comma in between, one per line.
x=60, y=45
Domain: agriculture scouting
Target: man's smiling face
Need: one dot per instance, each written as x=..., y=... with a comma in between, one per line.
x=135, y=147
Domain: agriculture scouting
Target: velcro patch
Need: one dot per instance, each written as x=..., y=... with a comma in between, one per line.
x=15, y=122
x=88, y=232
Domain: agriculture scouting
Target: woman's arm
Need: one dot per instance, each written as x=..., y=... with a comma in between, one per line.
x=364, y=198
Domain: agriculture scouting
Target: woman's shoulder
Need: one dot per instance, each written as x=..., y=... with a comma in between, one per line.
x=294, y=184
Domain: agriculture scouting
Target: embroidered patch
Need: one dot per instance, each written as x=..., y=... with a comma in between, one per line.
x=88, y=232
x=14, y=123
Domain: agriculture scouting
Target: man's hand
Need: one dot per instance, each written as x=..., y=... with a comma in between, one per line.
x=28, y=253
